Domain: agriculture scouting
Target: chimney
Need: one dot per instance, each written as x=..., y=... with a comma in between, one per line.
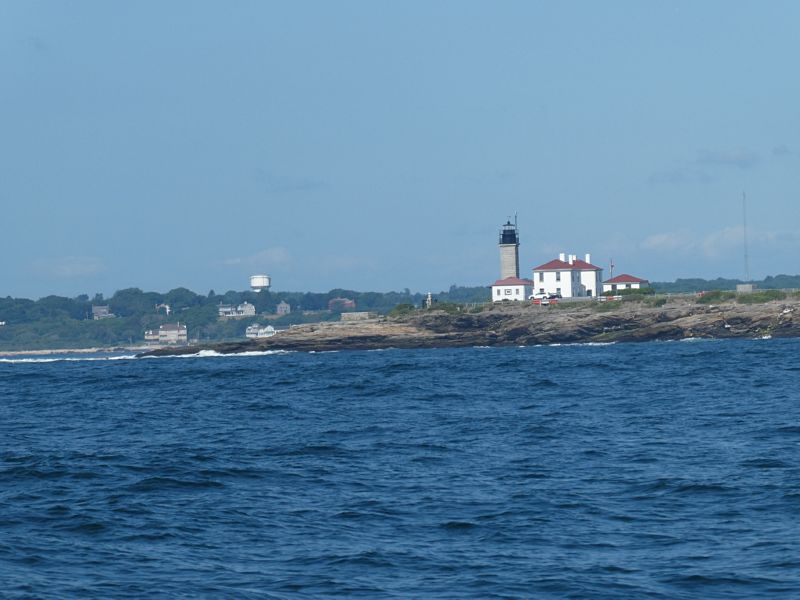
x=571, y=258
x=562, y=257
x=588, y=258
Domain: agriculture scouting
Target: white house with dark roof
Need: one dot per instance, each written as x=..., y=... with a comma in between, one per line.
x=511, y=288
x=568, y=276
x=624, y=282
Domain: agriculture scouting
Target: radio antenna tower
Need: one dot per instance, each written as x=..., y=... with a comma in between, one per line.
x=744, y=231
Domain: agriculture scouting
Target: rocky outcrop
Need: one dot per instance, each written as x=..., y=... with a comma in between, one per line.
x=630, y=321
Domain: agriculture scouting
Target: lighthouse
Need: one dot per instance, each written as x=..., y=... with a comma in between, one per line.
x=509, y=250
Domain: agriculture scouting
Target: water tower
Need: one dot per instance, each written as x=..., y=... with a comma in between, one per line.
x=259, y=282
x=509, y=250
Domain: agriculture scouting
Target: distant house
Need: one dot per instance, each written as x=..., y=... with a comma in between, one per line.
x=511, y=288
x=172, y=333
x=341, y=304
x=568, y=276
x=101, y=312
x=283, y=308
x=358, y=316
x=624, y=282
x=245, y=309
x=151, y=336
x=259, y=331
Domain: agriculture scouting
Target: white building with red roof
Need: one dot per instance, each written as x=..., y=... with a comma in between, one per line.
x=568, y=277
x=511, y=288
x=624, y=282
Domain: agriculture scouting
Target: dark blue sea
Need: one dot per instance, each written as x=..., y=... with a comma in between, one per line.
x=659, y=470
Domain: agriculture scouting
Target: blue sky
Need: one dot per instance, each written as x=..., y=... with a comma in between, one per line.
x=378, y=146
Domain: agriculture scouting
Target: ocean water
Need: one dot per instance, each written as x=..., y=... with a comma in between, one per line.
x=662, y=470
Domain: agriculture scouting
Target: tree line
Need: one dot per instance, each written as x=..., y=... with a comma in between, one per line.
x=61, y=322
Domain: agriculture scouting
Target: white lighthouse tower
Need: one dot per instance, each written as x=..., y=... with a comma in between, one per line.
x=509, y=250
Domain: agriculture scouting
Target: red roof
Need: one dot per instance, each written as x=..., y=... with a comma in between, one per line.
x=625, y=278
x=560, y=265
x=513, y=281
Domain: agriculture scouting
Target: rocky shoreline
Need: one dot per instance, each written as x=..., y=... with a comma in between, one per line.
x=628, y=321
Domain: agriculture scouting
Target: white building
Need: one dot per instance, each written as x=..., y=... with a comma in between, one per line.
x=259, y=283
x=568, y=276
x=101, y=312
x=624, y=282
x=283, y=308
x=259, y=331
x=358, y=316
x=245, y=309
x=511, y=288
x=172, y=333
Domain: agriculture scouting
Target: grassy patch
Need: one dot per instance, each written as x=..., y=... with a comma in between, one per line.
x=760, y=297
x=606, y=306
x=449, y=307
x=716, y=297
x=645, y=291
x=655, y=301
x=565, y=305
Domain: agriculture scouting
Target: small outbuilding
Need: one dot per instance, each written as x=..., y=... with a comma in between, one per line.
x=624, y=282
x=511, y=288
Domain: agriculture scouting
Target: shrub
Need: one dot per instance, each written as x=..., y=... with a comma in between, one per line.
x=645, y=291
x=402, y=310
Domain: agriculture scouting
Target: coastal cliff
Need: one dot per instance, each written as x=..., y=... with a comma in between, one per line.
x=630, y=321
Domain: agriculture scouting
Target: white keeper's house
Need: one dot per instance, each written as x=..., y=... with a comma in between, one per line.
x=511, y=288
x=568, y=276
x=624, y=282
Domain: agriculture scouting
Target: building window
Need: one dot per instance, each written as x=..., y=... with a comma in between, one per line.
x=517, y=291
x=558, y=275
x=498, y=291
x=558, y=291
x=541, y=276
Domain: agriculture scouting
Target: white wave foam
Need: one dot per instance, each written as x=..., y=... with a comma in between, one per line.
x=215, y=354
x=574, y=344
x=52, y=359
